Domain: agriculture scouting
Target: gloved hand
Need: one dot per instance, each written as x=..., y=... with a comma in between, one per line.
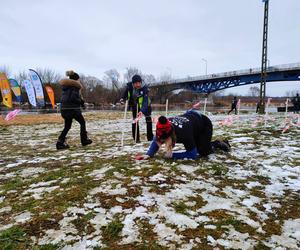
x=121, y=101
x=142, y=157
x=139, y=115
x=168, y=155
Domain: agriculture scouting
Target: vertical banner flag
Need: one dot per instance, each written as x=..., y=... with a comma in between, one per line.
x=15, y=87
x=50, y=93
x=5, y=90
x=37, y=84
x=30, y=92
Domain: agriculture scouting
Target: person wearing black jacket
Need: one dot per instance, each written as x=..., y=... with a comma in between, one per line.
x=71, y=101
x=193, y=129
x=139, y=103
x=296, y=103
x=233, y=106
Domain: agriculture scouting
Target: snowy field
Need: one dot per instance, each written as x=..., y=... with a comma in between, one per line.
x=100, y=197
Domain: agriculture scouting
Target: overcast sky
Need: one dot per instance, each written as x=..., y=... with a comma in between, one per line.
x=157, y=36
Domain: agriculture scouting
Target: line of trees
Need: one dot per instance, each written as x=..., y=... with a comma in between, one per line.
x=103, y=91
x=108, y=90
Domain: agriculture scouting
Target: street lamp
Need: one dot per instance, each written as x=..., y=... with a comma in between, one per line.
x=205, y=65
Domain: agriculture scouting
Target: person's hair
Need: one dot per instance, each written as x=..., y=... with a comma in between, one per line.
x=136, y=78
x=162, y=119
x=72, y=75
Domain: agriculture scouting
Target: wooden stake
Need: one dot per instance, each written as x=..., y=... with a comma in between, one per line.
x=136, y=122
x=124, y=121
x=205, y=102
x=167, y=105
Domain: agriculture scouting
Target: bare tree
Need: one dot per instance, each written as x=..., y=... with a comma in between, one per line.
x=48, y=75
x=148, y=79
x=21, y=76
x=112, y=78
x=165, y=77
x=5, y=69
x=90, y=82
x=130, y=72
x=254, y=91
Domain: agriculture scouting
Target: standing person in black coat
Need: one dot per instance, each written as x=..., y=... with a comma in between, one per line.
x=139, y=102
x=233, y=106
x=71, y=101
x=296, y=103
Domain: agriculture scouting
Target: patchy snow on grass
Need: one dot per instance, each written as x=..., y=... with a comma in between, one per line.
x=21, y=218
x=100, y=196
x=290, y=236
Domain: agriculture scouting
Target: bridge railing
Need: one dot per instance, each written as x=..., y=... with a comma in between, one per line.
x=251, y=71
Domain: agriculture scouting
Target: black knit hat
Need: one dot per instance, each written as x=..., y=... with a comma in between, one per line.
x=136, y=78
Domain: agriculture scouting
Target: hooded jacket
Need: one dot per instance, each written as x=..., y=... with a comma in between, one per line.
x=71, y=98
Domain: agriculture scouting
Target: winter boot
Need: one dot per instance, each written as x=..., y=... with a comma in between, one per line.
x=227, y=142
x=84, y=139
x=61, y=144
x=222, y=145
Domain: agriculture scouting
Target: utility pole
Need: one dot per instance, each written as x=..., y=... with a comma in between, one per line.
x=264, y=60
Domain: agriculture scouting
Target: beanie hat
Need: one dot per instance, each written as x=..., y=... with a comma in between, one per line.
x=136, y=78
x=72, y=75
x=164, y=128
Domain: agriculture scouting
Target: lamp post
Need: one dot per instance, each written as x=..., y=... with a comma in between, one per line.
x=205, y=65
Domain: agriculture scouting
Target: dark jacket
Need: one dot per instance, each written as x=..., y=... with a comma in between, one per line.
x=189, y=127
x=138, y=96
x=194, y=131
x=71, y=98
x=234, y=103
x=296, y=103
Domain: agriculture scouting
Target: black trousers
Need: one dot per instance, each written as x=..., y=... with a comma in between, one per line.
x=136, y=129
x=68, y=116
x=203, y=141
x=233, y=107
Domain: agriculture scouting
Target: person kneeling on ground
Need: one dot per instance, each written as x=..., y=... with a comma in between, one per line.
x=192, y=129
x=71, y=102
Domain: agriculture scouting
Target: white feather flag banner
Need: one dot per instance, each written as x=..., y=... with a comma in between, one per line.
x=30, y=92
x=37, y=84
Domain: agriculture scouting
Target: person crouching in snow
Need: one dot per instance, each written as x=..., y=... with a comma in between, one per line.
x=192, y=129
x=71, y=101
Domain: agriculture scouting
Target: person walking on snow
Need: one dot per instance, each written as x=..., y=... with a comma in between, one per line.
x=296, y=103
x=71, y=101
x=140, y=104
x=233, y=106
x=194, y=130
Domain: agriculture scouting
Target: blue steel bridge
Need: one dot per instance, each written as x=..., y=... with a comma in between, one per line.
x=214, y=82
